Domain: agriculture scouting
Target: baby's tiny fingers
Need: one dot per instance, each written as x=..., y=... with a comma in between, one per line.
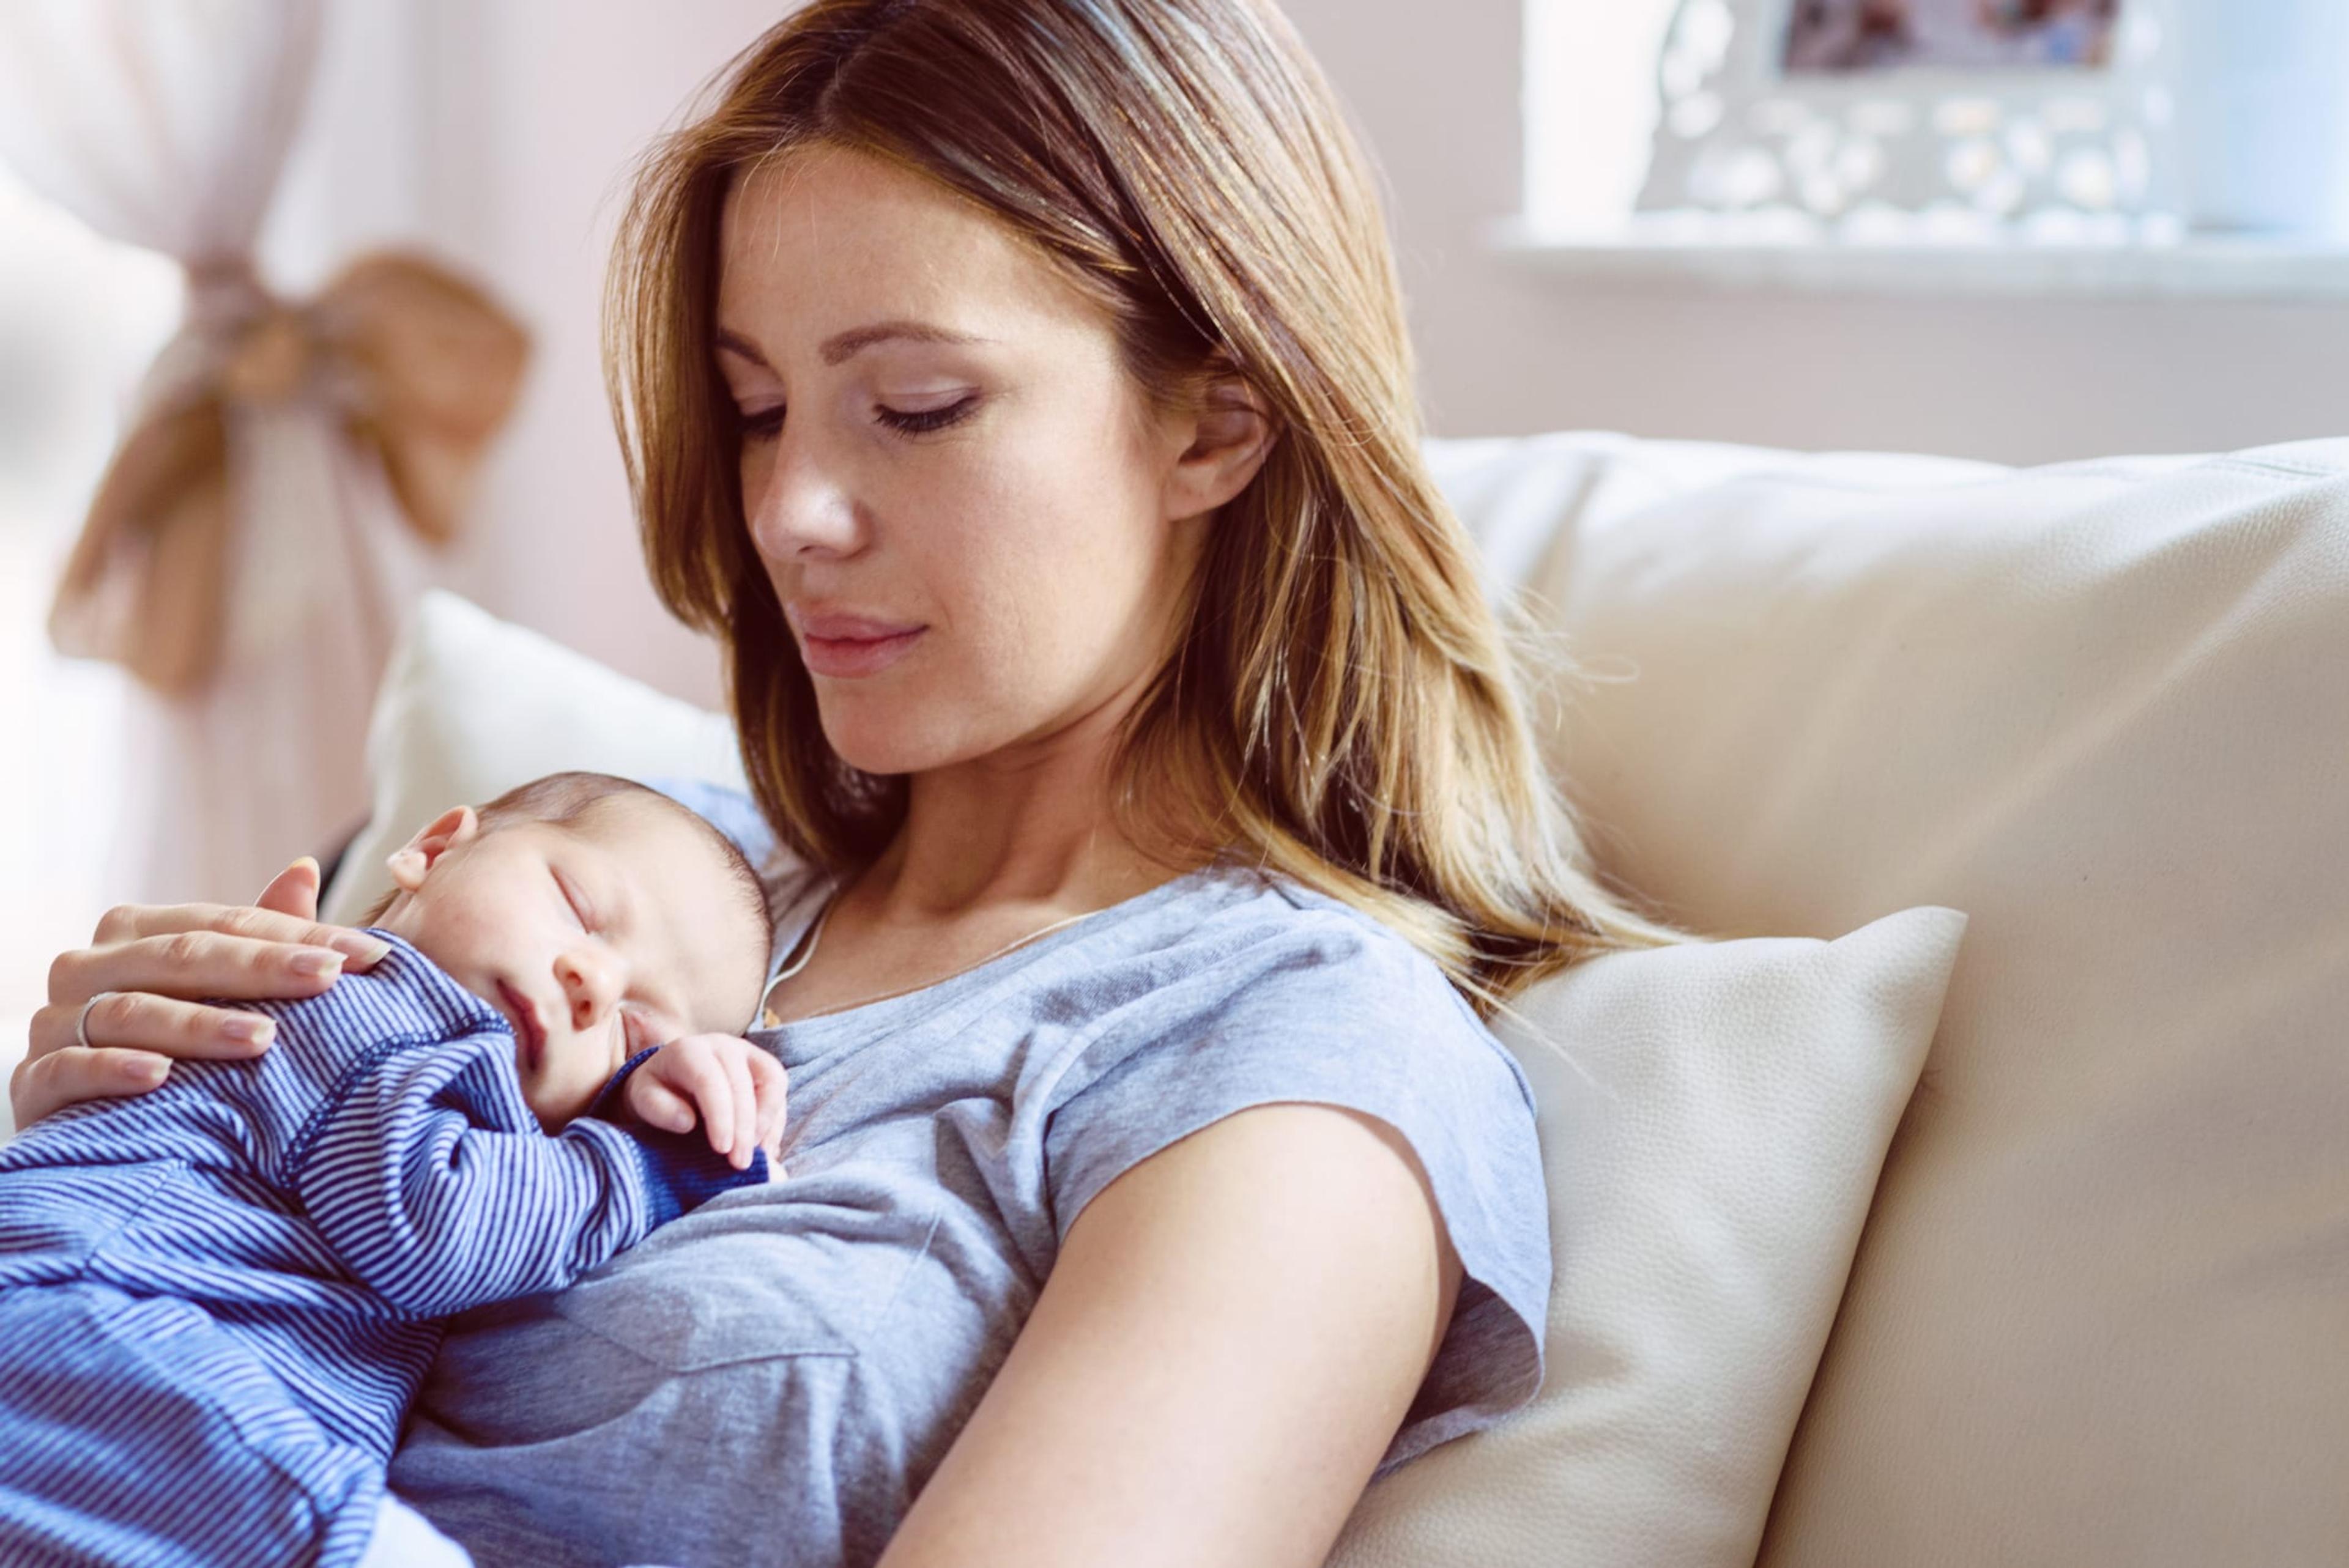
x=772, y=1086
x=745, y=1138
x=717, y=1101
x=658, y=1105
x=690, y=1066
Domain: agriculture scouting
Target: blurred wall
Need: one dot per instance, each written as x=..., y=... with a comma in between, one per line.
x=542, y=105
x=1504, y=349
x=529, y=112
x=524, y=118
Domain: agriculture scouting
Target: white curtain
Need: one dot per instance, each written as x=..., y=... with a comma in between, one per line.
x=165, y=124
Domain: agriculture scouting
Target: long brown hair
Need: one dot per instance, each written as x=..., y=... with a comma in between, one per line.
x=1342, y=708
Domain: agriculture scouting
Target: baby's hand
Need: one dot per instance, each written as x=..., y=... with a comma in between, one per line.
x=735, y=1088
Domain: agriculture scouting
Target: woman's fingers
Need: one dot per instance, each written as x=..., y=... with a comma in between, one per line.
x=141, y=1023
x=294, y=891
x=134, y=922
x=158, y=961
x=132, y=1040
x=58, y=1078
x=190, y=964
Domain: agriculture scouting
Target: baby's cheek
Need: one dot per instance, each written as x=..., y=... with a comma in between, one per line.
x=559, y=1096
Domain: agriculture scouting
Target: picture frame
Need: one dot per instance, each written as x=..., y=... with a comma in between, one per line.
x=1747, y=150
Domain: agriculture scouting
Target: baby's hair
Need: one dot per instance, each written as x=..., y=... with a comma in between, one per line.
x=560, y=800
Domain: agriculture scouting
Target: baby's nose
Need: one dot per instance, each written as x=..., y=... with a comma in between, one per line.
x=588, y=985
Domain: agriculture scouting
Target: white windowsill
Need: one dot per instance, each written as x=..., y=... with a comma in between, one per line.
x=2200, y=267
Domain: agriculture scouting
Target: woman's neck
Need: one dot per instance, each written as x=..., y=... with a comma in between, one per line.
x=954, y=856
x=1033, y=830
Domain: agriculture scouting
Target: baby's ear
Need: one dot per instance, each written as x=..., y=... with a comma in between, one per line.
x=413, y=861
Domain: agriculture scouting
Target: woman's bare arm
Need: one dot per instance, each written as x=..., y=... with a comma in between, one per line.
x=1231, y=1335
x=158, y=962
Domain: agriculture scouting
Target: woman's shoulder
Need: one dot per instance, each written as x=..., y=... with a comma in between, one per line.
x=1263, y=988
x=1273, y=951
x=1277, y=993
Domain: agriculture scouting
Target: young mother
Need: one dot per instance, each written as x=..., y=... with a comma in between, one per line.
x=1018, y=390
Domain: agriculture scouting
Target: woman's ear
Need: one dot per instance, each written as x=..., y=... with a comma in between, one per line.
x=414, y=860
x=1228, y=433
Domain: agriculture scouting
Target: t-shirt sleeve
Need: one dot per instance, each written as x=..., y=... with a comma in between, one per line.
x=1331, y=1013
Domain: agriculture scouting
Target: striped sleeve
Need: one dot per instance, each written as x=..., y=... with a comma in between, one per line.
x=431, y=1184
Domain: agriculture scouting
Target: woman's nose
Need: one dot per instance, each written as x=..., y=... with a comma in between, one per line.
x=591, y=985
x=799, y=504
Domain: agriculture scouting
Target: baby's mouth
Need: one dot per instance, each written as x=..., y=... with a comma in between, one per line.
x=523, y=1015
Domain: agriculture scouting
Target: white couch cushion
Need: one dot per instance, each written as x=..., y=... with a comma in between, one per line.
x=2101, y=1312
x=1713, y=1119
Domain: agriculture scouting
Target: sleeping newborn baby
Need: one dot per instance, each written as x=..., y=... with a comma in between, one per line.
x=217, y=1299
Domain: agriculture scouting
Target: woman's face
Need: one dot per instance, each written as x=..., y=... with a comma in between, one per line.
x=977, y=529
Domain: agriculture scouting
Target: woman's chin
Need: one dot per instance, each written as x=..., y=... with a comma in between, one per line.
x=906, y=731
x=884, y=750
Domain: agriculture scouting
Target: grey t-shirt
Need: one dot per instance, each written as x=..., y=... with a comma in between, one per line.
x=772, y=1379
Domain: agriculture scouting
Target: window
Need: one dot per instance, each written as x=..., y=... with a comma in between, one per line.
x=1590, y=104
x=2201, y=150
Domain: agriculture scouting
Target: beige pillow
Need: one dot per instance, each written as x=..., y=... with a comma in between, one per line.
x=1712, y=1117
x=2101, y=1316
x=471, y=705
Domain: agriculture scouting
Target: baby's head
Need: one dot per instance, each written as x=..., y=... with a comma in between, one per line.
x=599, y=916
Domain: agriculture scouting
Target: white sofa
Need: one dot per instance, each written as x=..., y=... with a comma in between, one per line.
x=2100, y=1311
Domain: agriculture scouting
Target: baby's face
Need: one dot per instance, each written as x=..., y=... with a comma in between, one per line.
x=597, y=938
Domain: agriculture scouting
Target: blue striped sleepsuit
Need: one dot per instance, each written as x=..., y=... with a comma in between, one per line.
x=216, y=1300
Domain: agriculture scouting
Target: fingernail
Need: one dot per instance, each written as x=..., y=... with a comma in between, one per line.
x=317, y=962
x=149, y=1070
x=249, y=1031
x=365, y=951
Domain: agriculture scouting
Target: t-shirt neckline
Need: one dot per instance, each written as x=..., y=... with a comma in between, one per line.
x=794, y=1039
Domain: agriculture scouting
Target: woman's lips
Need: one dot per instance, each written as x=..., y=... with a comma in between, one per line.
x=848, y=657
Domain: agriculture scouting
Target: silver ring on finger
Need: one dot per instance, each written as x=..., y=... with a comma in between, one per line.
x=81, y=1021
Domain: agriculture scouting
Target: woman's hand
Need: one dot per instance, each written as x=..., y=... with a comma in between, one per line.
x=148, y=966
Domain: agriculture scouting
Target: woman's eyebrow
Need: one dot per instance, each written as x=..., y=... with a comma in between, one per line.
x=843, y=346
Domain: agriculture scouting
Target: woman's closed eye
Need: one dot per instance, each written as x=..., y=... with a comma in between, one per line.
x=765, y=424
x=921, y=421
